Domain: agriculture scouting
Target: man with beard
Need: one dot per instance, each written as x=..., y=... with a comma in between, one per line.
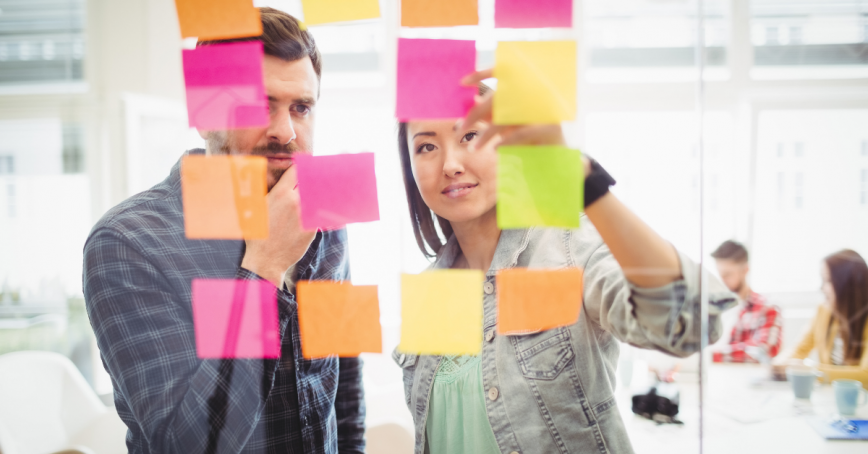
x=756, y=336
x=138, y=268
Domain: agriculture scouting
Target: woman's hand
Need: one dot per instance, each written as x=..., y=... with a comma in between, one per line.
x=508, y=134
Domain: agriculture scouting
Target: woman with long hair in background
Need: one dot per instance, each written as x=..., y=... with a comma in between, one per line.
x=839, y=331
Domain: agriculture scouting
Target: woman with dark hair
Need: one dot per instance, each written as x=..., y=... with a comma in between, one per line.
x=553, y=390
x=839, y=331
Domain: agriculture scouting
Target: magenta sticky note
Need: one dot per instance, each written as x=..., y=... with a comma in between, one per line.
x=235, y=318
x=225, y=87
x=533, y=13
x=336, y=190
x=429, y=78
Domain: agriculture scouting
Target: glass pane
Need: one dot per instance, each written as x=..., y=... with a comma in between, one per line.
x=41, y=41
x=646, y=41
x=822, y=39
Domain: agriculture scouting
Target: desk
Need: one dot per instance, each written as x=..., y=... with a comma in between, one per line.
x=744, y=414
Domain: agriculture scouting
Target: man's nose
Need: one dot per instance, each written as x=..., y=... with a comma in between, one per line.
x=281, y=129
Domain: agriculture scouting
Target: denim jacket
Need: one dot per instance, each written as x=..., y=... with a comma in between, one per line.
x=553, y=391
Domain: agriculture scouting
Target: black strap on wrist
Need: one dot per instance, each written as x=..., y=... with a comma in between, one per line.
x=597, y=183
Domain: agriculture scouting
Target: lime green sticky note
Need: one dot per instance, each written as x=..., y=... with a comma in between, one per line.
x=441, y=312
x=536, y=82
x=539, y=186
x=327, y=11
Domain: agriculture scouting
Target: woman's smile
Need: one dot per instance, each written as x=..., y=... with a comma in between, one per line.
x=456, y=190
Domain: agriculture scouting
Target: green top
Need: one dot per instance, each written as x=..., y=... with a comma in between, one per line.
x=457, y=420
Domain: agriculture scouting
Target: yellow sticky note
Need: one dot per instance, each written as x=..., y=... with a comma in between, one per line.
x=536, y=82
x=441, y=312
x=327, y=11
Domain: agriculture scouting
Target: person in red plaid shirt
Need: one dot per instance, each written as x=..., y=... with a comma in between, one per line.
x=756, y=336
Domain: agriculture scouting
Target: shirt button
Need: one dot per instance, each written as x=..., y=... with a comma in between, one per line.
x=492, y=393
x=488, y=287
x=489, y=335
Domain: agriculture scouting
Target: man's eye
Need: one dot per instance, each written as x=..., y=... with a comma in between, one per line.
x=301, y=108
x=425, y=147
x=469, y=136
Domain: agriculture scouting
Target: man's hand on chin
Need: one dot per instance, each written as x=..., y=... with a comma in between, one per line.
x=287, y=241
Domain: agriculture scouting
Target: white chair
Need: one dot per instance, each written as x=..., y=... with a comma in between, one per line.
x=46, y=406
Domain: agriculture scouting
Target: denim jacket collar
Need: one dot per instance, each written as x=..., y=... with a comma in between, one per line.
x=511, y=244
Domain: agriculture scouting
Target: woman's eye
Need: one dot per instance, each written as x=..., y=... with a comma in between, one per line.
x=469, y=136
x=425, y=147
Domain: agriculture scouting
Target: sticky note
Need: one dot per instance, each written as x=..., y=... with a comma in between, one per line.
x=326, y=11
x=536, y=300
x=218, y=19
x=539, y=186
x=225, y=88
x=224, y=197
x=429, y=78
x=338, y=318
x=439, y=13
x=336, y=190
x=536, y=82
x=441, y=312
x=234, y=318
x=533, y=13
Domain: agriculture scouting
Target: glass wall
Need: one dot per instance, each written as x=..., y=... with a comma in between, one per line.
x=721, y=120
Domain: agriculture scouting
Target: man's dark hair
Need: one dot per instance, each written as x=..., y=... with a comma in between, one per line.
x=731, y=250
x=282, y=37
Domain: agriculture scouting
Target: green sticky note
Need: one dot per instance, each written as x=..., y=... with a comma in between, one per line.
x=539, y=186
x=441, y=312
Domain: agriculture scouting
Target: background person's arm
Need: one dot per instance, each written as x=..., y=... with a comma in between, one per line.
x=146, y=340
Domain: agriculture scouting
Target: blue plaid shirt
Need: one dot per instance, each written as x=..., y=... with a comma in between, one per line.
x=138, y=268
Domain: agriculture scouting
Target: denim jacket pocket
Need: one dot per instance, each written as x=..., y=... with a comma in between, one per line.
x=542, y=356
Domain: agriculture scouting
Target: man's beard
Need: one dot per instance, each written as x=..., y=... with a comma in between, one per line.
x=218, y=144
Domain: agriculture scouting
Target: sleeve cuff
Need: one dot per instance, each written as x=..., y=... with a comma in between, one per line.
x=286, y=304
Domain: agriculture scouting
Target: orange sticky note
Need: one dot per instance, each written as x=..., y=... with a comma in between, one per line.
x=338, y=318
x=224, y=197
x=218, y=19
x=535, y=300
x=439, y=13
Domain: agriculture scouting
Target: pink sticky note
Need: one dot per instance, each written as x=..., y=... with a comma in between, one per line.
x=336, y=190
x=225, y=88
x=429, y=78
x=235, y=318
x=533, y=13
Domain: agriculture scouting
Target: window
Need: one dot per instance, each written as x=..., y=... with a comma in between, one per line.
x=10, y=200
x=7, y=165
x=798, y=189
x=798, y=149
x=781, y=188
x=73, y=148
x=863, y=196
x=42, y=41
x=827, y=36
x=644, y=40
x=772, y=36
